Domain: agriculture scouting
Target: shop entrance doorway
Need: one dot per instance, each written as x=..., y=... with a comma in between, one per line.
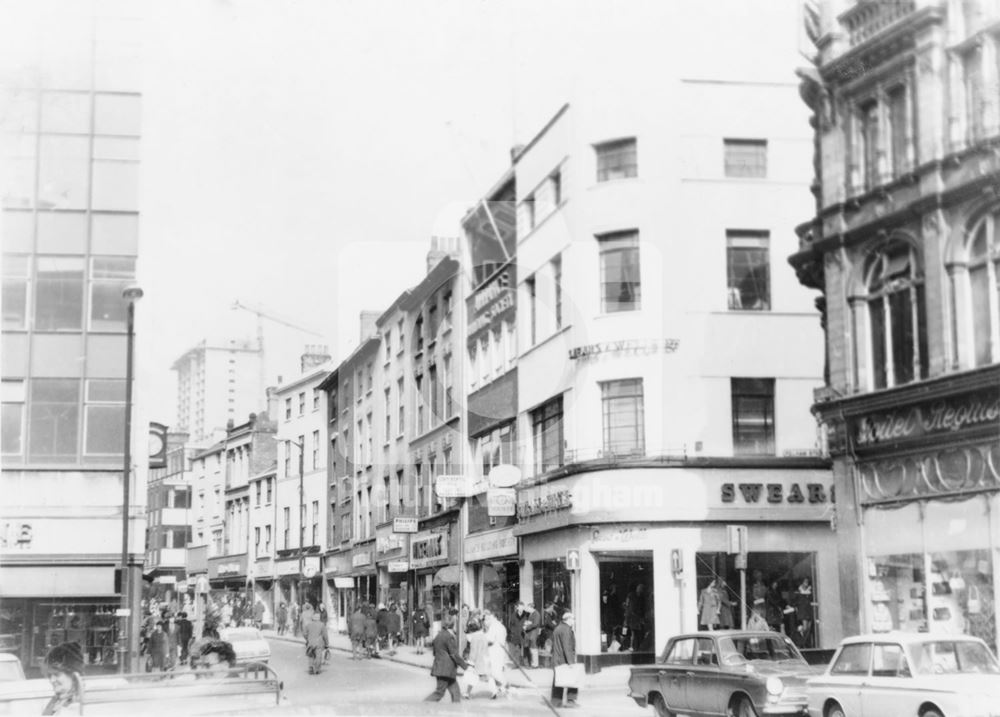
x=780, y=589
x=628, y=621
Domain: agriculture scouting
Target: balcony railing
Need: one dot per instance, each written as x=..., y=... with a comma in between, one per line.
x=870, y=17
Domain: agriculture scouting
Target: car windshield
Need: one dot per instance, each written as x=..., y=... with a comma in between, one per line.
x=240, y=633
x=952, y=657
x=10, y=671
x=764, y=648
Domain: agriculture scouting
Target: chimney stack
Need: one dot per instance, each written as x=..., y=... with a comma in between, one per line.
x=368, y=324
x=313, y=356
x=441, y=247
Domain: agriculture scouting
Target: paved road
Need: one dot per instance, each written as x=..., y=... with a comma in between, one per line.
x=382, y=687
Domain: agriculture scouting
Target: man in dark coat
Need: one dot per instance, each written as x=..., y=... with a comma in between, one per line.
x=515, y=635
x=382, y=624
x=532, y=632
x=393, y=626
x=421, y=625
x=281, y=618
x=446, y=662
x=356, y=629
x=564, y=653
x=371, y=631
x=316, y=643
x=185, y=631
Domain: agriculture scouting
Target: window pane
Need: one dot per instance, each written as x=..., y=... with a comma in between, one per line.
x=13, y=426
x=106, y=391
x=901, y=318
x=980, y=294
x=59, y=294
x=116, y=185
x=745, y=157
x=66, y=112
x=853, y=660
x=18, y=231
x=55, y=417
x=753, y=416
x=64, y=173
x=115, y=233
x=623, y=416
x=107, y=307
x=105, y=430
x=117, y=114
x=748, y=272
x=876, y=334
x=898, y=128
x=620, y=276
x=616, y=160
x=62, y=232
x=14, y=302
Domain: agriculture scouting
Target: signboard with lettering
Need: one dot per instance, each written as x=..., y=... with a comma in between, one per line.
x=403, y=524
x=628, y=347
x=457, y=486
x=490, y=303
x=427, y=549
x=359, y=560
x=484, y=546
x=398, y=566
x=755, y=493
x=501, y=502
x=943, y=418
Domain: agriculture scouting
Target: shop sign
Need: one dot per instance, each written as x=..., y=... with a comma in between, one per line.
x=490, y=302
x=361, y=559
x=15, y=535
x=949, y=416
x=201, y=585
x=342, y=583
x=627, y=347
x=501, y=502
x=397, y=566
x=404, y=525
x=227, y=569
x=540, y=505
x=428, y=549
x=167, y=580
x=457, y=486
x=774, y=493
x=483, y=546
x=619, y=535
x=388, y=543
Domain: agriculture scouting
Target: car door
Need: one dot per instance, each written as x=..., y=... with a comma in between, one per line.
x=847, y=673
x=889, y=687
x=673, y=674
x=702, y=691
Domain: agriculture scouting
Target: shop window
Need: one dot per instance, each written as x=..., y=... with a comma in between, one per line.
x=109, y=277
x=617, y=160
x=105, y=417
x=897, y=336
x=547, y=432
x=748, y=270
x=780, y=589
x=92, y=625
x=628, y=621
x=621, y=288
x=753, y=416
x=551, y=583
x=59, y=293
x=624, y=424
x=984, y=289
x=54, y=419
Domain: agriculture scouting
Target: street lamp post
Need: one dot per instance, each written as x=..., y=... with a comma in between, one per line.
x=127, y=636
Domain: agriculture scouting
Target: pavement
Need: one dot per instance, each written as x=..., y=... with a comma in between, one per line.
x=608, y=678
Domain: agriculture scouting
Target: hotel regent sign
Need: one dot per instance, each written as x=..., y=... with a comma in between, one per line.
x=914, y=424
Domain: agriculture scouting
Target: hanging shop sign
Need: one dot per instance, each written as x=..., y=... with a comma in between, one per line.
x=627, y=347
x=501, y=502
x=342, y=583
x=504, y=476
x=428, y=549
x=488, y=305
x=397, y=566
x=485, y=546
x=404, y=525
x=959, y=415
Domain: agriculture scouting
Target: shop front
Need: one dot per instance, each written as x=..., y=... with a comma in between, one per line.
x=434, y=587
x=231, y=592
x=632, y=552
x=364, y=574
x=927, y=475
x=390, y=551
x=339, y=587
x=496, y=578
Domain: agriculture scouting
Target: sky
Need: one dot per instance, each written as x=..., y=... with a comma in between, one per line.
x=297, y=155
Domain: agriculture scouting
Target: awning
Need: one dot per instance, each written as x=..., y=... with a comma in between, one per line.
x=448, y=575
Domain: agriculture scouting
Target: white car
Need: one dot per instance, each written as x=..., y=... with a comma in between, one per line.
x=908, y=675
x=10, y=668
x=248, y=643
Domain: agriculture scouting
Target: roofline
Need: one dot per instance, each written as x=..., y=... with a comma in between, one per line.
x=205, y=346
x=304, y=378
x=506, y=178
x=548, y=125
x=400, y=301
x=434, y=280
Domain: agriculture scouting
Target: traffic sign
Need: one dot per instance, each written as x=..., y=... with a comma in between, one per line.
x=737, y=535
x=573, y=559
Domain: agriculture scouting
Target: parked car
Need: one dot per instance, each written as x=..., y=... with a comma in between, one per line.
x=10, y=668
x=248, y=643
x=729, y=673
x=908, y=675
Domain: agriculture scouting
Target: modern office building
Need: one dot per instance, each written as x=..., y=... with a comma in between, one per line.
x=69, y=230
x=169, y=519
x=904, y=246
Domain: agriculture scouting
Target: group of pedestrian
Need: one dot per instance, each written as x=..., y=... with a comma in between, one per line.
x=526, y=634
x=373, y=629
x=166, y=639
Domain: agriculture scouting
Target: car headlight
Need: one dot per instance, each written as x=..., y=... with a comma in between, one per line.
x=775, y=686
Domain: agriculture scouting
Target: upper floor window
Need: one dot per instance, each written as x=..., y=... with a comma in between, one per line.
x=975, y=95
x=547, y=435
x=530, y=286
x=620, y=282
x=623, y=419
x=12, y=404
x=745, y=157
x=302, y=403
x=16, y=272
x=881, y=140
x=984, y=289
x=753, y=416
x=616, y=160
x=288, y=408
x=315, y=399
x=894, y=288
x=109, y=277
x=59, y=293
x=557, y=288
x=748, y=270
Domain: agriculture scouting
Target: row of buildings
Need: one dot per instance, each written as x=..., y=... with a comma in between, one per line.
x=616, y=365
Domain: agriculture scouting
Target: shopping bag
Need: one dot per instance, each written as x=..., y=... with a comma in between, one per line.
x=569, y=675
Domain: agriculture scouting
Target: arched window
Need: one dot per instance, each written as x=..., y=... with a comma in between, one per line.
x=984, y=267
x=896, y=316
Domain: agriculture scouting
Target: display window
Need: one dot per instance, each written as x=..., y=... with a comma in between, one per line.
x=935, y=578
x=780, y=594
x=500, y=588
x=551, y=583
x=628, y=622
x=92, y=625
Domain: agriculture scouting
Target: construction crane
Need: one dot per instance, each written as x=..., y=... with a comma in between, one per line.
x=261, y=314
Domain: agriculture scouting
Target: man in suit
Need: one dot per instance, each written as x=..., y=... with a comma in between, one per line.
x=316, y=643
x=446, y=662
x=564, y=653
x=185, y=631
x=532, y=632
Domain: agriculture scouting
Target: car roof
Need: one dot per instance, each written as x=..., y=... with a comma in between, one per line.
x=729, y=633
x=8, y=657
x=908, y=638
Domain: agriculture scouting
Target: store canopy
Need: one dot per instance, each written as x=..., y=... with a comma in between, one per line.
x=447, y=575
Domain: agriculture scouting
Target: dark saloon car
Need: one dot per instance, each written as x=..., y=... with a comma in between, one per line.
x=726, y=673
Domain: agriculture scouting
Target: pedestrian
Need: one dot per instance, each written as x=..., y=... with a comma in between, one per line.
x=227, y=613
x=294, y=615
x=421, y=626
x=157, y=648
x=635, y=616
x=258, y=614
x=496, y=638
x=356, y=630
x=317, y=643
x=479, y=668
x=322, y=613
x=532, y=632
x=305, y=617
x=550, y=621
x=564, y=653
x=185, y=631
x=371, y=631
x=446, y=662
x=63, y=666
x=393, y=626
x=173, y=641
x=802, y=602
x=382, y=624
x=281, y=618
x=709, y=604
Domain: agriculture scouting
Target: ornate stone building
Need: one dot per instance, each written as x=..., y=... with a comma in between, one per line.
x=905, y=250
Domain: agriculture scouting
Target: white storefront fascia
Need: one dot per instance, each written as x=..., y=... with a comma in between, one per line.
x=493, y=544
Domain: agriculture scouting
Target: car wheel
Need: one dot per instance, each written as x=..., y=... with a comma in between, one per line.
x=742, y=707
x=835, y=710
x=660, y=707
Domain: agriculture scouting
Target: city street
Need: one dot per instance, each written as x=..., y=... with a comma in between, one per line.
x=387, y=687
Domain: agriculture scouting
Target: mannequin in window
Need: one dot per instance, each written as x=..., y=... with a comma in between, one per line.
x=708, y=607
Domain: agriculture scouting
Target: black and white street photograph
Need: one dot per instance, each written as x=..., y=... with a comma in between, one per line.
x=525, y=358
